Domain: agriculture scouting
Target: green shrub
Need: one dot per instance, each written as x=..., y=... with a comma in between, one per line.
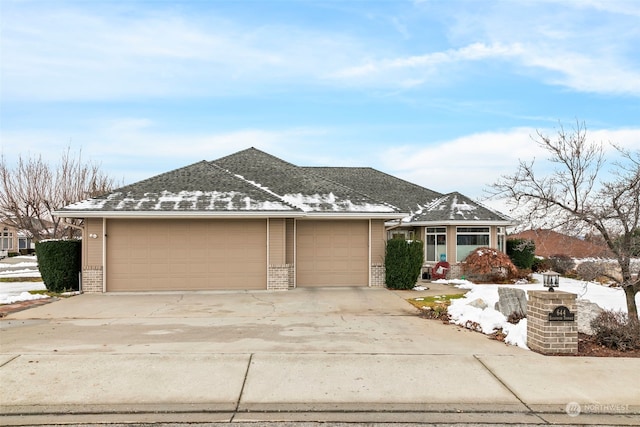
x=614, y=329
x=59, y=264
x=403, y=262
x=521, y=252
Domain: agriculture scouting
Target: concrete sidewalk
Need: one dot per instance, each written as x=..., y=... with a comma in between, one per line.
x=320, y=355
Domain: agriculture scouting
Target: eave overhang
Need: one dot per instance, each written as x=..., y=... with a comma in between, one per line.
x=460, y=223
x=226, y=215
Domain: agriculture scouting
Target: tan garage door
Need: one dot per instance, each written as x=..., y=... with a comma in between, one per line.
x=185, y=254
x=332, y=253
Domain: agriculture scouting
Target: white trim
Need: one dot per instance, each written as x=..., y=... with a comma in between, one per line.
x=295, y=253
x=477, y=223
x=104, y=255
x=268, y=257
x=225, y=215
x=369, y=281
x=171, y=214
x=353, y=215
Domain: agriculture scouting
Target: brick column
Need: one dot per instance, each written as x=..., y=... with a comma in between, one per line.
x=279, y=277
x=92, y=279
x=377, y=275
x=549, y=334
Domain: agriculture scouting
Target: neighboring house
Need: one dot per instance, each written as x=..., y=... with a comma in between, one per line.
x=13, y=240
x=253, y=221
x=549, y=243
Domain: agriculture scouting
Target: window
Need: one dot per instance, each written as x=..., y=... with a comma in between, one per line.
x=501, y=239
x=24, y=242
x=6, y=240
x=435, y=243
x=469, y=238
x=401, y=234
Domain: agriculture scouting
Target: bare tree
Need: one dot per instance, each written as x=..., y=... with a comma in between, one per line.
x=575, y=197
x=33, y=189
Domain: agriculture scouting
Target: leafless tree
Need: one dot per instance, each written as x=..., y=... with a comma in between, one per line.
x=574, y=196
x=33, y=189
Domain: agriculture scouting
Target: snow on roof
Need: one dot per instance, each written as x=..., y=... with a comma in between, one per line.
x=181, y=201
x=455, y=207
x=254, y=181
x=328, y=202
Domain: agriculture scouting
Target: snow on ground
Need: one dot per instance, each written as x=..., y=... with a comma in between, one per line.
x=20, y=266
x=489, y=320
x=19, y=273
x=11, y=292
x=24, y=296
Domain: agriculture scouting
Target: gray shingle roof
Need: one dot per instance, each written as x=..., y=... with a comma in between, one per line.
x=455, y=207
x=407, y=196
x=252, y=181
x=300, y=186
x=202, y=186
x=247, y=181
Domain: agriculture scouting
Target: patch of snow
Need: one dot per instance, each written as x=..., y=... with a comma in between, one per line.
x=420, y=288
x=24, y=296
x=324, y=202
x=19, y=291
x=516, y=334
x=19, y=273
x=489, y=320
x=19, y=264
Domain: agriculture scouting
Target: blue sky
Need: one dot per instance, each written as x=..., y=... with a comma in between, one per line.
x=446, y=94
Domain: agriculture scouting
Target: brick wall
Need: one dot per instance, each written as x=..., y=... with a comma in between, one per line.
x=377, y=275
x=280, y=277
x=548, y=337
x=92, y=279
x=455, y=272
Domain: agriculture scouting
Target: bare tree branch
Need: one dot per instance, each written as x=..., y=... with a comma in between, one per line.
x=574, y=197
x=33, y=189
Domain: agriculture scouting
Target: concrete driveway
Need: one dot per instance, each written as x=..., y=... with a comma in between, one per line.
x=343, y=354
x=336, y=320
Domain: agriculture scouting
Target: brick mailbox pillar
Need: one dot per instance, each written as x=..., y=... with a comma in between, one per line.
x=552, y=326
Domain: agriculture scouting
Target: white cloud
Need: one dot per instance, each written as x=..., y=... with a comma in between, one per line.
x=121, y=51
x=471, y=163
x=411, y=70
x=465, y=164
x=587, y=46
x=65, y=53
x=135, y=148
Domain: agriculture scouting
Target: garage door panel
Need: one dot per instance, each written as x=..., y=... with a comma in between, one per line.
x=186, y=254
x=332, y=253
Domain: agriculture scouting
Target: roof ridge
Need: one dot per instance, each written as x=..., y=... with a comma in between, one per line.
x=252, y=183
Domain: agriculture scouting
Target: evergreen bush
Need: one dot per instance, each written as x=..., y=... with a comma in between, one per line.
x=521, y=252
x=403, y=262
x=59, y=264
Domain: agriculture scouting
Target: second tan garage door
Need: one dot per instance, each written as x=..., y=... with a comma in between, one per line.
x=332, y=253
x=185, y=254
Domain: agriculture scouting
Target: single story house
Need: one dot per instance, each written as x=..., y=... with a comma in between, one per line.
x=13, y=240
x=253, y=221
